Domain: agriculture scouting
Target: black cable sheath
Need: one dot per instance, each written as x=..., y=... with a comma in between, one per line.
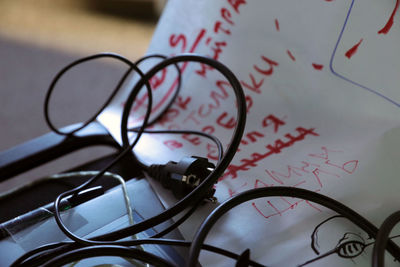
x=325, y=201
x=199, y=192
x=68, y=250
x=152, y=121
x=108, y=250
x=195, y=195
x=106, y=103
x=172, y=242
x=144, y=81
x=382, y=238
x=168, y=229
x=127, y=149
x=35, y=251
x=137, y=242
x=174, y=96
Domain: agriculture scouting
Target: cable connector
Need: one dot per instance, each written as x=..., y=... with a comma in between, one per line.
x=182, y=177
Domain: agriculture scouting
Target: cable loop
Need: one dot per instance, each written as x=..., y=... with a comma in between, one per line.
x=132, y=66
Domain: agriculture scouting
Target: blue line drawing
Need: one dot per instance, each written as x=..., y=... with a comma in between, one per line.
x=347, y=79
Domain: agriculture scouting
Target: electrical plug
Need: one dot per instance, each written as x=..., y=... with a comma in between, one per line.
x=183, y=176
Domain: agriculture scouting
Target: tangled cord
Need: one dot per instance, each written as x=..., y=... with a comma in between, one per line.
x=108, y=244
x=191, y=199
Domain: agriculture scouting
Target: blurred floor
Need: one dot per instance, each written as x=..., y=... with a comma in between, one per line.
x=39, y=37
x=82, y=27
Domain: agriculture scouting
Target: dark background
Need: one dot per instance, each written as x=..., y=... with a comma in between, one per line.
x=38, y=38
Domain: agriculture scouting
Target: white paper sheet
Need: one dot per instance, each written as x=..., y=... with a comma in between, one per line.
x=323, y=77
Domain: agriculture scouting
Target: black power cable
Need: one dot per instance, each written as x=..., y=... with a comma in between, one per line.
x=382, y=239
x=138, y=242
x=53, y=84
x=112, y=95
x=165, y=231
x=36, y=251
x=126, y=150
x=198, y=192
x=325, y=201
x=106, y=245
x=174, y=96
x=108, y=250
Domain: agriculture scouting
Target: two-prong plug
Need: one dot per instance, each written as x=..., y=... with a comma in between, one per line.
x=183, y=176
